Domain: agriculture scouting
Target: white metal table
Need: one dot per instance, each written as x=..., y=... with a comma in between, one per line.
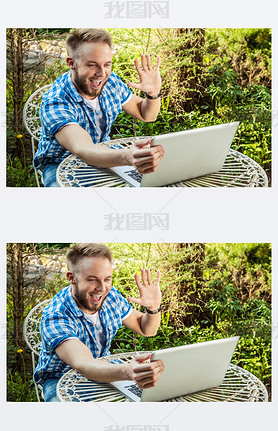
x=238, y=385
x=238, y=171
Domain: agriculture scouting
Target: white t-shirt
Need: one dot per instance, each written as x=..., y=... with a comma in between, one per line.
x=99, y=330
x=99, y=115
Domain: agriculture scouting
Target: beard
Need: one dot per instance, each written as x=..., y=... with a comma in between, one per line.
x=82, y=299
x=81, y=84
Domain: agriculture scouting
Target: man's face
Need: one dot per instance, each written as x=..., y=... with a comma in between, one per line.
x=92, y=283
x=92, y=69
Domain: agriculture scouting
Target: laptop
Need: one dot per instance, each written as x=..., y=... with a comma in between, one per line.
x=188, y=154
x=188, y=369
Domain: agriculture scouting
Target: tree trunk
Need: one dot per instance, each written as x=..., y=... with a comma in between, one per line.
x=187, y=79
x=15, y=258
x=15, y=55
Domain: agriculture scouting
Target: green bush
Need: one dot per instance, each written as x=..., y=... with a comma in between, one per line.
x=20, y=389
x=19, y=175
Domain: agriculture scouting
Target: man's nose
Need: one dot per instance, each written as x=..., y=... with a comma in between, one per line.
x=100, y=71
x=101, y=286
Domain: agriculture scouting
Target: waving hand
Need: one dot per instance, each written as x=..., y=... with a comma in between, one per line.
x=150, y=80
x=149, y=291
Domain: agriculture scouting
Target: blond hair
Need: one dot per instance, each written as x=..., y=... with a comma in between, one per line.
x=84, y=35
x=77, y=252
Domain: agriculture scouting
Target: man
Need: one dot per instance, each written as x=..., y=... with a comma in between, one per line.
x=79, y=324
x=81, y=106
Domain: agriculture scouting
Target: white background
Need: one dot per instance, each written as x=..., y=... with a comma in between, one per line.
x=58, y=215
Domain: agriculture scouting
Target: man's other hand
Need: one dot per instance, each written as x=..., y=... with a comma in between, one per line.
x=144, y=372
x=144, y=158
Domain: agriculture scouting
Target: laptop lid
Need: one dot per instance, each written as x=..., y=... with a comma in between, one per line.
x=191, y=153
x=188, y=369
x=191, y=368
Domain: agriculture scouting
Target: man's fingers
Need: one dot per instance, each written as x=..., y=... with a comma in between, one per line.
x=137, y=66
x=154, y=152
x=149, y=63
x=141, y=357
x=147, y=375
x=143, y=276
x=143, y=62
x=146, y=159
x=135, y=300
x=138, y=282
x=142, y=142
x=158, y=277
x=147, y=162
x=157, y=63
x=146, y=63
x=134, y=85
x=149, y=166
x=145, y=369
x=147, y=382
x=149, y=278
x=146, y=155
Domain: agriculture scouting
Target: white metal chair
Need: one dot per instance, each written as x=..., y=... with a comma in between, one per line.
x=32, y=335
x=31, y=118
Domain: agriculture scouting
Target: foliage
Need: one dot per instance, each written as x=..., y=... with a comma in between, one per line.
x=20, y=390
x=19, y=175
x=20, y=386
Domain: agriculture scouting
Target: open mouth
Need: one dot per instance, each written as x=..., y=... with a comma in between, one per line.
x=95, y=298
x=95, y=84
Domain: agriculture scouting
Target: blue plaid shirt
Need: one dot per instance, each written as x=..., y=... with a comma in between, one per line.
x=62, y=104
x=63, y=319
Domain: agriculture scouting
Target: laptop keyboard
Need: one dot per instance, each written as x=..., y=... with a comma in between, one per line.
x=135, y=390
x=135, y=175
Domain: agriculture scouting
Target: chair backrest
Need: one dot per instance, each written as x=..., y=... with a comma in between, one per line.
x=31, y=329
x=31, y=109
x=32, y=121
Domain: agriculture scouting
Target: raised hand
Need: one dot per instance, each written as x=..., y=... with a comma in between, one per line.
x=150, y=79
x=149, y=291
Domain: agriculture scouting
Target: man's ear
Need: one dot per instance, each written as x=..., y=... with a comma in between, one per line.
x=70, y=277
x=71, y=63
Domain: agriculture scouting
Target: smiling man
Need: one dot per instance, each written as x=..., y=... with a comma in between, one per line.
x=79, y=109
x=78, y=326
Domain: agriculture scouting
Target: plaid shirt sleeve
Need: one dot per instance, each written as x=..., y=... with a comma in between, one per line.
x=125, y=308
x=55, y=113
x=117, y=309
x=55, y=328
x=121, y=89
x=124, y=91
